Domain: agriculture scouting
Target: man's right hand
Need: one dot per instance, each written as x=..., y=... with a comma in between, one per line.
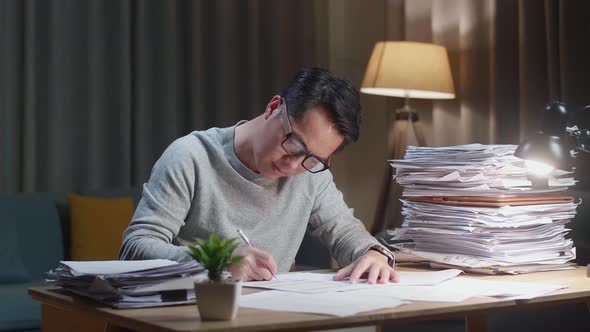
x=257, y=264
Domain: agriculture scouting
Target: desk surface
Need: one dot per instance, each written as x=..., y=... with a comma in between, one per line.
x=186, y=318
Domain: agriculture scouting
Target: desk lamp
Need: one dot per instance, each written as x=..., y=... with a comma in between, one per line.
x=546, y=149
x=407, y=70
x=549, y=148
x=579, y=132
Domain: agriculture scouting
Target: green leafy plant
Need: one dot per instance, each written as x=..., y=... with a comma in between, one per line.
x=215, y=255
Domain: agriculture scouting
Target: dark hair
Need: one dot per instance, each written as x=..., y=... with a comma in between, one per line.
x=314, y=87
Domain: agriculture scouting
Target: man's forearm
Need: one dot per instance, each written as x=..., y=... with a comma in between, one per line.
x=346, y=237
x=142, y=247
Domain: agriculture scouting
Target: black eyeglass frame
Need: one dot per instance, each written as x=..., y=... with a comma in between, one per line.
x=292, y=136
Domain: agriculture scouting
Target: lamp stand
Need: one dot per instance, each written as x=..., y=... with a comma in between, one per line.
x=388, y=205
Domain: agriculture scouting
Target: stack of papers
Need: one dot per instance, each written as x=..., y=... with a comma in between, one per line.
x=470, y=170
x=130, y=284
x=490, y=236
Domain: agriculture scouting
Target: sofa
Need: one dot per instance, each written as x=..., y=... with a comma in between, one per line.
x=31, y=243
x=36, y=235
x=40, y=229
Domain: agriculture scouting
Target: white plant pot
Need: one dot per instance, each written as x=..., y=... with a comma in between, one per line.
x=218, y=300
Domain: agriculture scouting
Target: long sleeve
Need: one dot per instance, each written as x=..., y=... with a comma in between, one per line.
x=166, y=200
x=333, y=222
x=199, y=187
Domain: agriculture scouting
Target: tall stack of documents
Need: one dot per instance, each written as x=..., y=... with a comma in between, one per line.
x=130, y=284
x=474, y=207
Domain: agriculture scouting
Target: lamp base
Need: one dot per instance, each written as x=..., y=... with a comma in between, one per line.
x=406, y=124
x=388, y=211
x=406, y=114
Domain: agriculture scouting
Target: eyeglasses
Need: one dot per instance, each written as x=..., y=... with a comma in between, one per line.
x=295, y=147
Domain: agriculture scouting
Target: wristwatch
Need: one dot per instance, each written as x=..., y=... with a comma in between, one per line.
x=384, y=252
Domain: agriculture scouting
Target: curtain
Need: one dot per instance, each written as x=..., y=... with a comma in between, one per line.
x=93, y=91
x=508, y=59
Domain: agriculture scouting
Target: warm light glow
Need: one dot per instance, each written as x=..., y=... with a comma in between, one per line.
x=421, y=94
x=409, y=69
x=538, y=168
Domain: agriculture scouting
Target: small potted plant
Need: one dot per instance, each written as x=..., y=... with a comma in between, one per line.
x=217, y=298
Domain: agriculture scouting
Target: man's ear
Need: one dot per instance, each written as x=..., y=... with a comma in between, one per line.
x=272, y=106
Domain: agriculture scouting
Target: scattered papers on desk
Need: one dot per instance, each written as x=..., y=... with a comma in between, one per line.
x=426, y=278
x=310, y=283
x=502, y=289
x=332, y=303
x=462, y=288
x=130, y=284
x=443, y=292
x=301, y=282
x=488, y=239
x=342, y=301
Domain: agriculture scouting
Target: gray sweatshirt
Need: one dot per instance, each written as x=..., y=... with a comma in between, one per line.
x=199, y=186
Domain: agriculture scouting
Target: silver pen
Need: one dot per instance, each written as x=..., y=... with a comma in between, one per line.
x=249, y=244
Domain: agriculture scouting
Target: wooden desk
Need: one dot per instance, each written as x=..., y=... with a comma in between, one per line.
x=60, y=309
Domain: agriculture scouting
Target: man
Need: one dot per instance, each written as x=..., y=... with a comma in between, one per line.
x=268, y=177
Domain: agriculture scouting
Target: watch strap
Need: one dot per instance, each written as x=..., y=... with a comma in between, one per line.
x=385, y=252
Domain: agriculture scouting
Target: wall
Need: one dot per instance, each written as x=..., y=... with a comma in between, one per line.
x=352, y=28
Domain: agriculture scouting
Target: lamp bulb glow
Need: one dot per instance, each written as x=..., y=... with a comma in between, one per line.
x=538, y=168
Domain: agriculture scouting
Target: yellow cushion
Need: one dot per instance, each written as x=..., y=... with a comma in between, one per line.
x=97, y=225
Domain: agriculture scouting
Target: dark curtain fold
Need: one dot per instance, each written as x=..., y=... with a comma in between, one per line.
x=93, y=91
x=541, y=55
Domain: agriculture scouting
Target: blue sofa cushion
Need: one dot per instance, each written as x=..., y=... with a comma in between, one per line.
x=38, y=229
x=18, y=311
x=13, y=270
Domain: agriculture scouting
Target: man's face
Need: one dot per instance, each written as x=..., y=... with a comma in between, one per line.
x=315, y=130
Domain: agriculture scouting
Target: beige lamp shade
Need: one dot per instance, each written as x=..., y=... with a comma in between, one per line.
x=409, y=69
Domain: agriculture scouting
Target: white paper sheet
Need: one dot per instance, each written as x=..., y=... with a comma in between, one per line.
x=502, y=289
x=114, y=267
x=335, y=303
x=460, y=289
x=303, y=282
x=427, y=277
x=443, y=292
x=187, y=283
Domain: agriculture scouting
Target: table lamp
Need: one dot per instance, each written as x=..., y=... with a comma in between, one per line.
x=546, y=149
x=407, y=70
x=550, y=146
x=578, y=129
x=563, y=142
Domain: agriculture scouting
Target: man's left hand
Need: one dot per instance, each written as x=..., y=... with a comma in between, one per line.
x=373, y=265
